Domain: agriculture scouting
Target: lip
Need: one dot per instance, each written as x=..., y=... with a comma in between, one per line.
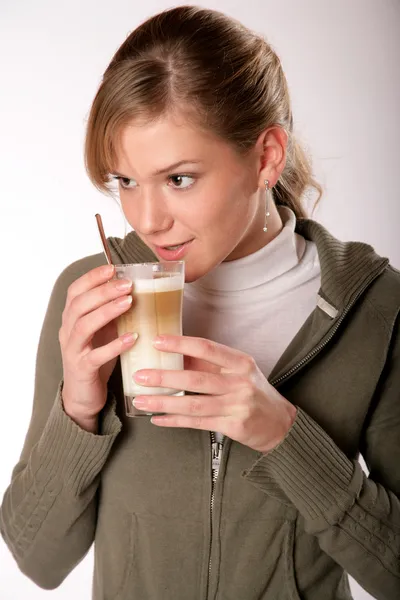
x=173, y=254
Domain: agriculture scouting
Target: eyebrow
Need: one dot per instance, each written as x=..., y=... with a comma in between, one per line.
x=165, y=169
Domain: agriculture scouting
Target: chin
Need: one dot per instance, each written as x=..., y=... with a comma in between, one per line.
x=194, y=272
x=191, y=277
x=199, y=264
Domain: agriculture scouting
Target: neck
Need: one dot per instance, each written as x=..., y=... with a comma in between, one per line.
x=255, y=237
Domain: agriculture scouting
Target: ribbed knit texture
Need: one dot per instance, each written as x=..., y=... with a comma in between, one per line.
x=310, y=469
x=64, y=462
x=130, y=250
x=71, y=454
x=345, y=266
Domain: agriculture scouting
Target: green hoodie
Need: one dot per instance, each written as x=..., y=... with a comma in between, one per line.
x=286, y=525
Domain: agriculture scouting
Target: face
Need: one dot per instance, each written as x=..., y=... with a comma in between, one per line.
x=207, y=210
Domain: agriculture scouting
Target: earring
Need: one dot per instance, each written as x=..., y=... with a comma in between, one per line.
x=267, y=214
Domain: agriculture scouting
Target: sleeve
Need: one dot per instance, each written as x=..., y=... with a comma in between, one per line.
x=48, y=513
x=355, y=518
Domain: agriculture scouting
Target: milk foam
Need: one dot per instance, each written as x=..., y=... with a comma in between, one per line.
x=161, y=284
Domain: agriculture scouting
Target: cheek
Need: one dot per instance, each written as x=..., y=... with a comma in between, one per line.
x=232, y=216
x=222, y=211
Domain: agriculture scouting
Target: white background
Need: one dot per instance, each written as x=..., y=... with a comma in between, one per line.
x=341, y=59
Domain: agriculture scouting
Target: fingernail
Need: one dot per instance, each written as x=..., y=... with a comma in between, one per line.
x=159, y=340
x=108, y=270
x=127, y=338
x=123, y=301
x=124, y=285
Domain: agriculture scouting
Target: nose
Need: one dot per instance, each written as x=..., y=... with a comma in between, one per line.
x=153, y=215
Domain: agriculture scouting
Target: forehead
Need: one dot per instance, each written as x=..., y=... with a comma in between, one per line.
x=146, y=146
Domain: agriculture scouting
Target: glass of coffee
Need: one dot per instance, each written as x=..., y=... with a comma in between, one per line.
x=156, y=310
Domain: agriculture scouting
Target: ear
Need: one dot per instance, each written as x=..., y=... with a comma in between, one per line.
x=272, y=146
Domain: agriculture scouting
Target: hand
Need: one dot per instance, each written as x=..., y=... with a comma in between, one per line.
x=231, y=394
x=89, y=342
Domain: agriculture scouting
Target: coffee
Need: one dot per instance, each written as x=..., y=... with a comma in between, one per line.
x=156, y=310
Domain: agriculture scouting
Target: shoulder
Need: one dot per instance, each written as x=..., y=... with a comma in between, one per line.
x=348, y=266
x=71, y=273
x=79, y=267
x=384, y=295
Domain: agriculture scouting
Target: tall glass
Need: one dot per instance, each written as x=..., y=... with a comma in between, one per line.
x=156, y=310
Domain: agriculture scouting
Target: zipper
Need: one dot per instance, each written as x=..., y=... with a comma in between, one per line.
x=216, y=454
x=318, y=348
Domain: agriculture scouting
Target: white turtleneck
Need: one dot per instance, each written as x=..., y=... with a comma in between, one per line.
x=257, y=303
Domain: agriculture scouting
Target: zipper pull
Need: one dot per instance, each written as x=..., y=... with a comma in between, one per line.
x=216, y=453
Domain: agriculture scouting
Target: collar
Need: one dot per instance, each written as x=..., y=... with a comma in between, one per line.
x=346, y=267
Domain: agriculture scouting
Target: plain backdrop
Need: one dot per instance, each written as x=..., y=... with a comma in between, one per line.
x=341, y=60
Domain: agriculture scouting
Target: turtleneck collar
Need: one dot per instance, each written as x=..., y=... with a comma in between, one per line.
x=346, y=267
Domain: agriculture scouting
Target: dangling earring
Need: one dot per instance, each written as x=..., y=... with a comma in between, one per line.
x=267, y=214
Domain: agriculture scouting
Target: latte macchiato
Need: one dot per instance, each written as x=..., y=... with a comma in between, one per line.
x=156, y=310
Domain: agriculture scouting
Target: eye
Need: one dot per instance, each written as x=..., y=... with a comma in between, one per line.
x=182, y=181
x=126, y=183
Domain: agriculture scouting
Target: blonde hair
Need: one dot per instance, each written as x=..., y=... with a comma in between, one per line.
x=222, y=76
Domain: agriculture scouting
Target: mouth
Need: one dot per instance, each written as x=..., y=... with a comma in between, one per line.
x=173, y=251
x=175, y=246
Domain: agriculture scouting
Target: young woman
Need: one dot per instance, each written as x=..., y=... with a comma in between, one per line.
x=249, y=486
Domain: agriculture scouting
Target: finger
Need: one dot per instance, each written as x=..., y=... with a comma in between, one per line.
x=227, y=358
x=85, y=328
x=196, y=364
x=191, y=405
x=92, y=299
x=191, y=381
x=89, y=280
x=205, y=423
x=100, y=356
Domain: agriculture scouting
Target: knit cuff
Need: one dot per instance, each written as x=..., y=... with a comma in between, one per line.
x=308, y=469
x=68, y=455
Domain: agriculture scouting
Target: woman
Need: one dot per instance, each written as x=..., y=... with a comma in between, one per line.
x=249, y=486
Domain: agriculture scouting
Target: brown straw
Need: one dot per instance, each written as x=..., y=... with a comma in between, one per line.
x=103, y=239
